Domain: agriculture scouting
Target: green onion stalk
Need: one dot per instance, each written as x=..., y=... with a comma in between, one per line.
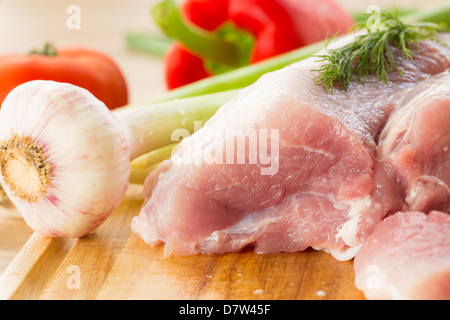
x=148, y=43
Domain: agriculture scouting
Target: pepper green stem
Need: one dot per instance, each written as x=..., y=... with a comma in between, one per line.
x=217, y=47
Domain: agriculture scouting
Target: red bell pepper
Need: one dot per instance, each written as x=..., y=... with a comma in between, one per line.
x=215, y=36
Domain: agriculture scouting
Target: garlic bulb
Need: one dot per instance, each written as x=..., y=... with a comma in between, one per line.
x=65, y=158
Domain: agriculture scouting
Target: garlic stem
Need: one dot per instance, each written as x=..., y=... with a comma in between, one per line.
x=149, y=127
x=65, y=158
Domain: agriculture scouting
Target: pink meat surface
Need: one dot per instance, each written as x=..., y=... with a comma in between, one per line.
x=414, y=146
x=412, y=168
x=406, y=257
x=311, y=177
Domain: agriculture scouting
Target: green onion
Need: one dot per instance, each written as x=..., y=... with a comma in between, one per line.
x=240, y=77
x=440, y=14
x=143, y=165
x=155, y=156
x=147, y=43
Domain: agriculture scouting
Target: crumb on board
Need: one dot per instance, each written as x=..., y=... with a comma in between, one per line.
x=321, y=293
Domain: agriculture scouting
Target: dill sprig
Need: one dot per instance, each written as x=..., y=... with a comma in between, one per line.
x=370, y=53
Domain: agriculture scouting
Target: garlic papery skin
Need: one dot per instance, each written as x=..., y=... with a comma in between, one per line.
x=64, y=158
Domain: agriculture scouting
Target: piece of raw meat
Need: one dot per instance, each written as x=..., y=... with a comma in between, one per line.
x=406, y=257
x=412, y=169
x=414, y=146
x=308, y=180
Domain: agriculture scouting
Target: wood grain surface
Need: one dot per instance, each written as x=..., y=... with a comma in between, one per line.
x=113, y=263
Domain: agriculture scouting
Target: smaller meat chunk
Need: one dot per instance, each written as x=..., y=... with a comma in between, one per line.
x=407, y=257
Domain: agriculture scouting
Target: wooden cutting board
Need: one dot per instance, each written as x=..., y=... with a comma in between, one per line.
x=113, y=263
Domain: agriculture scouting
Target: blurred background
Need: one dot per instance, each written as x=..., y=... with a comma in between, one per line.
x=28, y=24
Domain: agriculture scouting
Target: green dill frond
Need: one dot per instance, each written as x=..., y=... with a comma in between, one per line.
x=370, y=53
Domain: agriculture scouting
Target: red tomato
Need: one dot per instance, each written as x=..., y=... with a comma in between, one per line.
x=79, y=66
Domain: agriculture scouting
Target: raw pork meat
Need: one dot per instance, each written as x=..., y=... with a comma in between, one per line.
x=414, y=146
x=412, y=169
x=313, y=180
x=406, y=257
